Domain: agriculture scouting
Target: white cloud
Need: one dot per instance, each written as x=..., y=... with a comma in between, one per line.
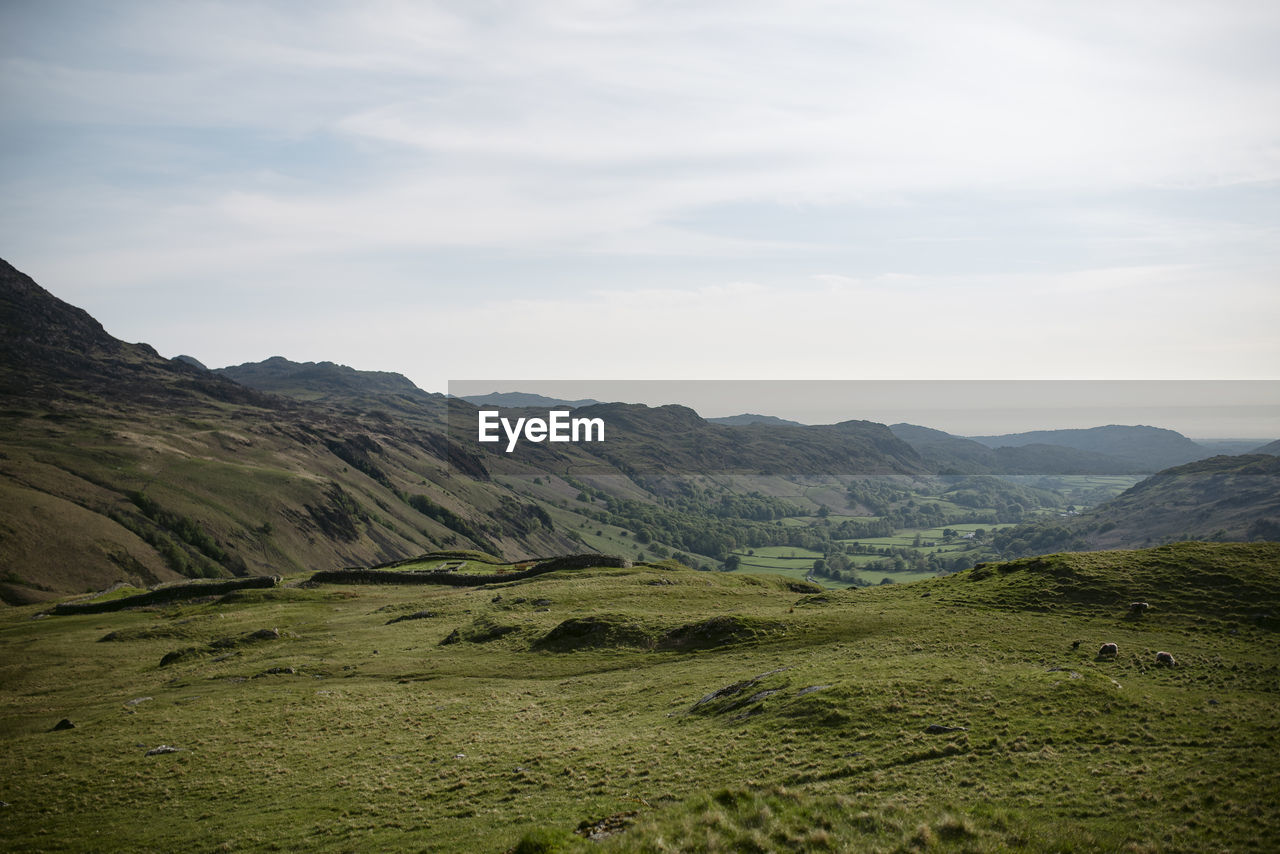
x=166, y=149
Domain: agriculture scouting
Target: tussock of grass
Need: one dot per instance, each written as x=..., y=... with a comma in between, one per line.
x=481, y=630
x=188, y=628
x=598, y=631
x=601, y=631
x=722, y=631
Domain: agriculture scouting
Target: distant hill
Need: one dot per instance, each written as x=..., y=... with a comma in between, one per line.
x=1272, y=448
x=1221, y=498
x=1227, y=498
x=520, y=400
x=948, y=454
x=1231, y=447
x=1144, y=449
x=325, y=381
x=945, y=453
x=192, y=361
x=674, y=439
x=1043, y=458
x=748, y=418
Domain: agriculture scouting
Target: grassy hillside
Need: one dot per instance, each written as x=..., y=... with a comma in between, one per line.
x=143, y=495
x=117, y=465
x=1222, y=498
x=686, y=710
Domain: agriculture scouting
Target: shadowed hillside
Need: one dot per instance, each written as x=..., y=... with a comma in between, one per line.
x=1221, y=498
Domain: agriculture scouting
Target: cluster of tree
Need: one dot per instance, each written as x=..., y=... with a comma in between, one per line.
x=856, y=530
x=696, y=521
x=753, y=506
x=186, y=547
x=913, y=503
x=908, y=560
x=837, y=567
x=917, y=515
x=452, y=521
x=1010, y=502
x=878, y=495
x=1045, y=538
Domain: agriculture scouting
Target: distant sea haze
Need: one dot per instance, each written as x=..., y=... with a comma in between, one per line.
x=1216, y=409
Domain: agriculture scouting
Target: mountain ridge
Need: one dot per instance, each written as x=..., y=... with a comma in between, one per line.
x=951, y=454
x=752, y=418
x=525, y=400
x=1139, y=445
x=119, y=465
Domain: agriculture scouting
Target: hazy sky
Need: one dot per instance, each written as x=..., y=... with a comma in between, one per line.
x=654, y=190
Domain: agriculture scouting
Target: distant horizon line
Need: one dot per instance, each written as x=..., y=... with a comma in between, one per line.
x=1219, y=410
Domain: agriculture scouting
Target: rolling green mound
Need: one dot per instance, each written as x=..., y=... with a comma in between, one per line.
x=1187, y=581
x=660, y=709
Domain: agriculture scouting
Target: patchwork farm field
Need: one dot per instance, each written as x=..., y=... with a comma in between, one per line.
x=662, y=709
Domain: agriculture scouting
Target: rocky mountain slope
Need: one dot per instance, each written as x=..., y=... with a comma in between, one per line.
x=119, y=465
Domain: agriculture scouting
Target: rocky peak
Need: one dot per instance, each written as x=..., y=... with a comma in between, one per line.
x=37, y=326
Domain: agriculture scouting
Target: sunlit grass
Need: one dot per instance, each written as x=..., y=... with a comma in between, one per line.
x=803, y=726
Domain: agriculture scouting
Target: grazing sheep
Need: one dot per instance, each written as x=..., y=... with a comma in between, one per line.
x=1136, y=608
x=1165, y=659
x=1109, y=650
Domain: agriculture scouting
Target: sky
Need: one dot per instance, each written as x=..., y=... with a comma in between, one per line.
x=589, y=189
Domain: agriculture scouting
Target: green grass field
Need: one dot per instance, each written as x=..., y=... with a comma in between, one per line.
x=786, y=561
x=693, y=711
